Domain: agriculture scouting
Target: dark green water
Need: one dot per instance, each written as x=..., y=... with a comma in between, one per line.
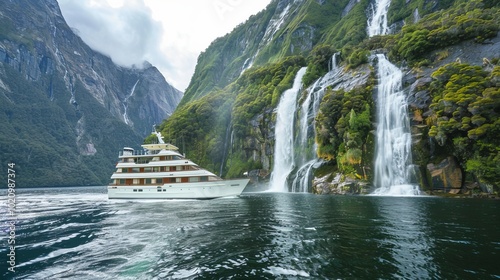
x=78, y=233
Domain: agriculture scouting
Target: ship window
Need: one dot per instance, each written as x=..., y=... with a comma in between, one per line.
x=122, y=181
x=177, y=180
x=156, y=169
x=136, y=169
x=136, y=181
x=129, y=160
x=164, y=190
x=204, y=178
x=178, y=168
x=159, y=181
x=158, y=190
x=147, y=169
x=135, y=190
x=140, y=190
x=194, y=179
x=156, y=158
x=162, y=169
x=148, y=181
x=153, y=181
x=124, y=170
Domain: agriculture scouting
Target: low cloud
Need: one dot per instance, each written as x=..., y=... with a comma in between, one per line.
x=126, y=32
x=168, y=34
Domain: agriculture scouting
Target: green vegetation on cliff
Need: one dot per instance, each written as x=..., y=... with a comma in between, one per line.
x=202, y=125
x=447, y=27
x=226, y=121
x=343, y=128
x=466, y=117
x=38, y=134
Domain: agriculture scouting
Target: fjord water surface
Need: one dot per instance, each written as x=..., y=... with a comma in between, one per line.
x=77, y=233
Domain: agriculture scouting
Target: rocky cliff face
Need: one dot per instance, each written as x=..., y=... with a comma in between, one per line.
x=47, y=73
x=436, y=166
x=283, y=29
x=249, y=69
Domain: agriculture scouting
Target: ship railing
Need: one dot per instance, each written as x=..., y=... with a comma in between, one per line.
x=137, y=153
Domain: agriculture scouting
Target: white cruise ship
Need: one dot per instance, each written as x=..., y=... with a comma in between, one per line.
x=160, y=171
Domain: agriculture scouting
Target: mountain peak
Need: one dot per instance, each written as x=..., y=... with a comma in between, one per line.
x=75, y=100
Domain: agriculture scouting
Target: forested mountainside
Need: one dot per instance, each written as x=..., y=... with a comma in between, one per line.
x=65, y=109
x=448, y=50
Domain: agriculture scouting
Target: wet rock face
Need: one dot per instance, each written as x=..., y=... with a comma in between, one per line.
x=446, y=176
x=417, y=97
x=79, y=104
x=337, y=184
x=49, y=48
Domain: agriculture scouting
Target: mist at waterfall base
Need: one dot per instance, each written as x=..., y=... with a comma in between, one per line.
x=78, y=234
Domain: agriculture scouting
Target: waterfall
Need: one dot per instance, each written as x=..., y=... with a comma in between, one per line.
x=416, y=16
x=333, y=64
x=306, y=154
x=310, y=106
x=125, y=104
x=303, y=177
x=284, y=149
x=377, y=23
x=393, y=151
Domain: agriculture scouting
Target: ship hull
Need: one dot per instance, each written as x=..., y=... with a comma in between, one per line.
x=198, y=190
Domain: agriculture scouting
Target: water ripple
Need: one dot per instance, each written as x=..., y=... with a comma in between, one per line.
x=265, y=236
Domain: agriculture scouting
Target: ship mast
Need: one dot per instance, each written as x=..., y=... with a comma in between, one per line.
x=158, y=135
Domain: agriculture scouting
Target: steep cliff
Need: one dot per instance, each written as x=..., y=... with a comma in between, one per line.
x=228, y=116
x=66, y=110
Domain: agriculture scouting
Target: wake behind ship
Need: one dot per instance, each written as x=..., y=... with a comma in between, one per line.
x=160, y=171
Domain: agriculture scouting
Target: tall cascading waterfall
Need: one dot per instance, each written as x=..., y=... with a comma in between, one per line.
x=284, y=148
x=393, y=150
x=125, y=104
x=377, y=23
x=306, y=157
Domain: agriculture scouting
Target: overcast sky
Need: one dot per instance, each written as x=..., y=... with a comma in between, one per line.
x=170, y=34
